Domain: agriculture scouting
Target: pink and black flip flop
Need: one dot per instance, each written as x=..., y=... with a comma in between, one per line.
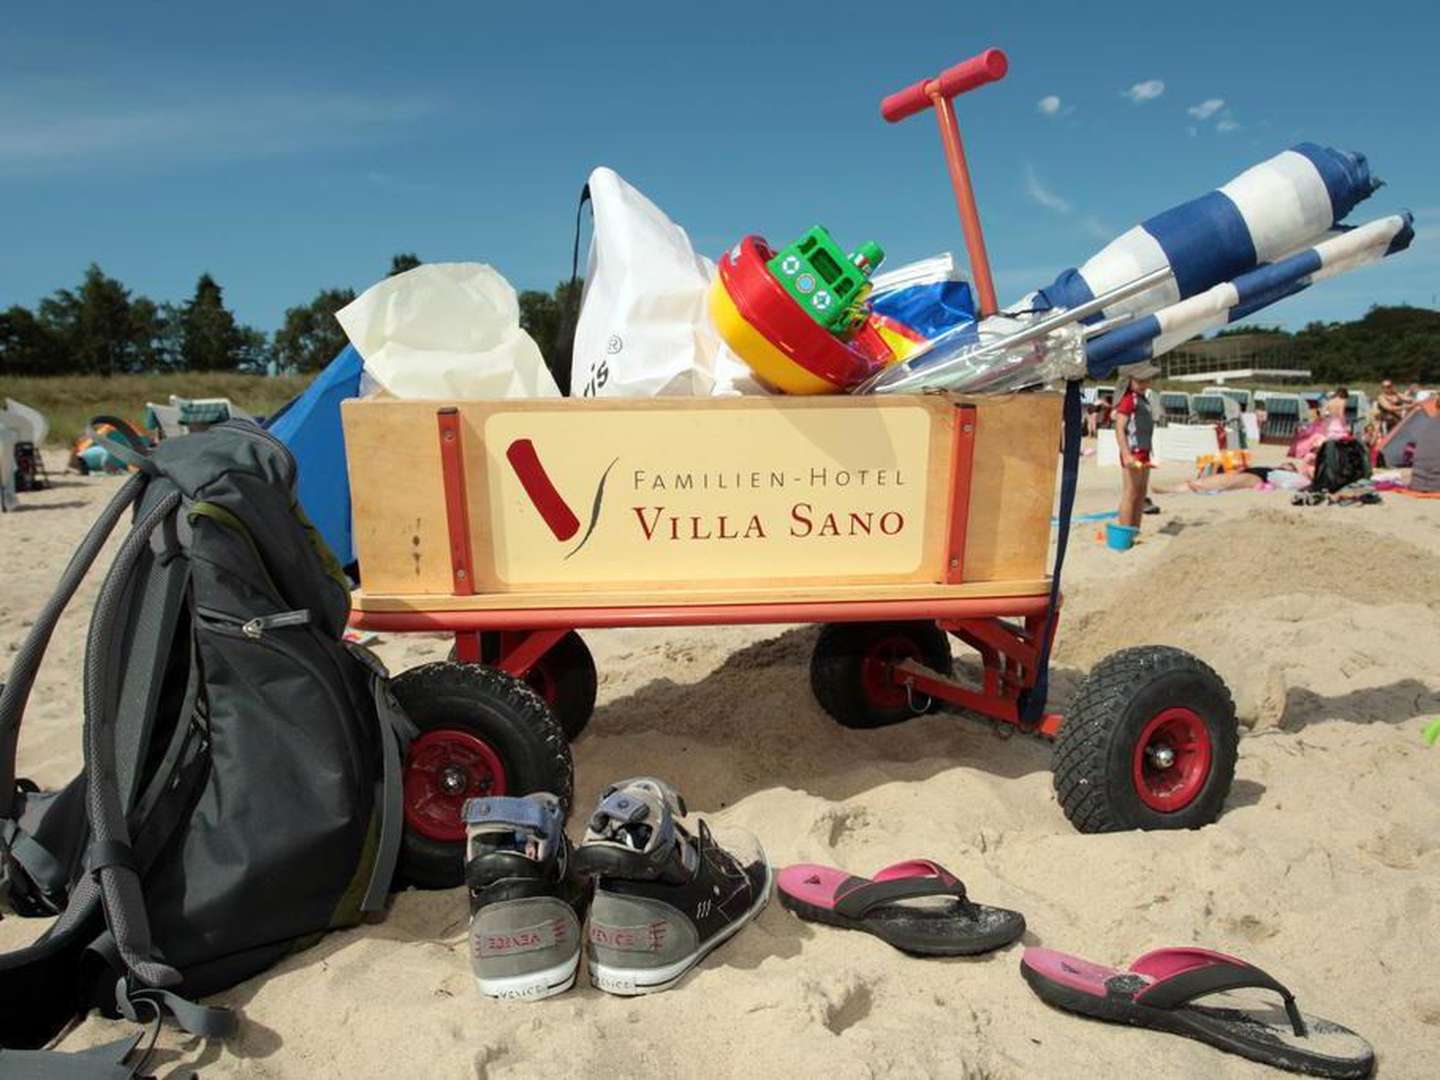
x=1161, y=991
x=917, y=906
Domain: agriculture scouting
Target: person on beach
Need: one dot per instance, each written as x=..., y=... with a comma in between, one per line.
x=1134, y=433
x=1390, y=406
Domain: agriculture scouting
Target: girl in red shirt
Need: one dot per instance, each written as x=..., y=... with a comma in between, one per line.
x=1135, y=433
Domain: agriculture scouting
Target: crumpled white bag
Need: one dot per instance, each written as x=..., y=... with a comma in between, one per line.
x=643, y=329
x=446, y=330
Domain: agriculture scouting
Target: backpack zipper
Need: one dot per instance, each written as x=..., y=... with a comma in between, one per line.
x=256, y=627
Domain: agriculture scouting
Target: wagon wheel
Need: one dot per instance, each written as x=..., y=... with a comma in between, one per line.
x=1150, y=743
x=482, y=732
x=565, y=677
x=850, y=670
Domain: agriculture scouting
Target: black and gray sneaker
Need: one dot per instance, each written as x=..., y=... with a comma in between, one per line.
x=526, y=901
x=663, y=898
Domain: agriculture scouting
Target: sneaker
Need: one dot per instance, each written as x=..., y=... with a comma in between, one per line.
x=663, y=898
x=526, y=901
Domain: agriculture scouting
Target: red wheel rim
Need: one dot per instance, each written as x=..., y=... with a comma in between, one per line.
x=443, y=769
x=877, y=672
x=1172, y=760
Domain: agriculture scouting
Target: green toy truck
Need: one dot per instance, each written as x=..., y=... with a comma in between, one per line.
x=828, y=284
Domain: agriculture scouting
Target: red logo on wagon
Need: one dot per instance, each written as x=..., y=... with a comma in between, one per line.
x=546, y=497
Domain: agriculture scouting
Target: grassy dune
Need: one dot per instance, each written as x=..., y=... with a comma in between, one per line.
x=70, y=401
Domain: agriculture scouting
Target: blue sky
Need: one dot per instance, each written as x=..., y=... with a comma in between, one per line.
x=285, y=148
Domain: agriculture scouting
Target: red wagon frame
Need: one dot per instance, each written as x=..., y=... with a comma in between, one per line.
x=1006, y=632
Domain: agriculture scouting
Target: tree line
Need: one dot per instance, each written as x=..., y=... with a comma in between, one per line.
x=102, y=328
x=1400, y=343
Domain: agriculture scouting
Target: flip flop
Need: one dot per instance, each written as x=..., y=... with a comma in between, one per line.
x=1160, y=991
x=893, y=906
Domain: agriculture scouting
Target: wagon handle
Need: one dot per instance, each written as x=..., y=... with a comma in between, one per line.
x=989, y=66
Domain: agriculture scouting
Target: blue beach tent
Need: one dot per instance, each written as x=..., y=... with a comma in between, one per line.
x=310, y=426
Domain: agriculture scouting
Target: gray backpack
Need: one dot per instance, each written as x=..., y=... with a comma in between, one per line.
x=241, y=789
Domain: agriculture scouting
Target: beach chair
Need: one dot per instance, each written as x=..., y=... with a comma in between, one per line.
x=8, y=439
x=1284, y=413
x=1243, y=398
x=31, y=428
x=197, y=414
x=1357, y=411
x=163, y=420
x=1174, y=406
x=1208, y=408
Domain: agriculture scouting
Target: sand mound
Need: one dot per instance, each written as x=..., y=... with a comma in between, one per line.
x=1322, y=868
x=1291, y=609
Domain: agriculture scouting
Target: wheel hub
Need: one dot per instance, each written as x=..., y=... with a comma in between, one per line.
x=443, y=768
x=453, y=779
x=1172, y=760
x=877, y=674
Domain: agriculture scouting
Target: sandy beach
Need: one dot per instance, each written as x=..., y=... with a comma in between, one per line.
x=1324, y=868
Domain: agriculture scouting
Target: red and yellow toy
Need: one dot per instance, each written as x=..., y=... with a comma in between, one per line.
x=786, y=348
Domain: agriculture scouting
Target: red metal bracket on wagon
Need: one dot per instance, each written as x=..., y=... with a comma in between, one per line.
x=990, y=66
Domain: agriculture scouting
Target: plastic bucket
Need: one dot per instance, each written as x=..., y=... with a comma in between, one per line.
x=1120, y=537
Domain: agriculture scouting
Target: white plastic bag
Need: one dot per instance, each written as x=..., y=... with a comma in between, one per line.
x=643, y=329
x=446, y=330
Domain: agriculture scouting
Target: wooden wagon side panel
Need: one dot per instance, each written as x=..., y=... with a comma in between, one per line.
x=670, y=496
x=1012, y=488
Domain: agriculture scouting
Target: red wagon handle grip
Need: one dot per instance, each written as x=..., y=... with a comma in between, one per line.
x=990, y=66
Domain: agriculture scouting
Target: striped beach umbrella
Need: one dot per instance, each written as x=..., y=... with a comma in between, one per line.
x=1272, y=231
x=1264, y=214
x=1151, y=335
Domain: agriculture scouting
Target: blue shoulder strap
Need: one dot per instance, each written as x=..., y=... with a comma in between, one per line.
x=1032, y=702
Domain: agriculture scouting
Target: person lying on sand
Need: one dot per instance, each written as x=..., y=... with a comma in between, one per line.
x=1254, y=478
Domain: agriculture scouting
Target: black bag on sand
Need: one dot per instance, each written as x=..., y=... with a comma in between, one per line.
x=241, y=790
x=1339, y=463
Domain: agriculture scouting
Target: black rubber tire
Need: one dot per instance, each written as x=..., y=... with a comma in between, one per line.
x=837, y=669
x=511, y=718
x=1093, y=753
x=570, y=670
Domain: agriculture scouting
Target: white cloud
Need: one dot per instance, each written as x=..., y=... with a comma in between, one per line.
x=1049, y=105
x=1207, y=108
x=1148, y=90
x=1093, y=226
x=1042, y=195
x=1227, y=124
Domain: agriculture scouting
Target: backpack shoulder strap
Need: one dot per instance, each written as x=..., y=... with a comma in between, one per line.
x=16, y=692
x=112, y=861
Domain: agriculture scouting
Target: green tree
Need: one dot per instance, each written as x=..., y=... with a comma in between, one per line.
x=406, y=260
x=209, y=337
x=29, y=347
x=550, y=318
x=253, y=352
x=98, y=326
x=311, y=337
